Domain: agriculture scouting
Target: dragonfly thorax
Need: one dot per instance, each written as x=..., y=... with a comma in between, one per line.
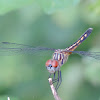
x=61, y=56
x=52, y=65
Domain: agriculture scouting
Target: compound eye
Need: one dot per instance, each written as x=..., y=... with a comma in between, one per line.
x=48, y=62
x=54, y=63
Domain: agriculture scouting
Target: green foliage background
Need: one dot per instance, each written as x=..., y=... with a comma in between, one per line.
x=53, y=24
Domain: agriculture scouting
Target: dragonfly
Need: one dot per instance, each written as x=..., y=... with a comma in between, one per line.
x=59, y=57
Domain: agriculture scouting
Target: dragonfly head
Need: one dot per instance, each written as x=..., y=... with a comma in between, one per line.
x=52, y=65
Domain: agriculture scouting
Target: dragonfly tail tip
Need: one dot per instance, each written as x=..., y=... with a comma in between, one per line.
x=90, y=28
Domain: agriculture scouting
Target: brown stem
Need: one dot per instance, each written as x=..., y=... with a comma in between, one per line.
x=54, y=92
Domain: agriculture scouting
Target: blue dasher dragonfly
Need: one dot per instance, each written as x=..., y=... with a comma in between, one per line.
x=59, y=57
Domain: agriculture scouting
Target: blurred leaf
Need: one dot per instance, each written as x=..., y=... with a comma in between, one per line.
x=76, y=2
x=91, y=11
x=95, y=7
x=50, y=6
x=9, y=5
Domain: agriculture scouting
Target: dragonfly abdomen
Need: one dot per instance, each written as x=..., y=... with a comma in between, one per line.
x=80, y=40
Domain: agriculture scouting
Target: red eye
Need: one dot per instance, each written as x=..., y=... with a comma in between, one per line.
x=54, y=63
x=48, y=62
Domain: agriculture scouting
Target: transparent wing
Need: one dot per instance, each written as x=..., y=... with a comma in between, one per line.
x=7, y=48
x=95, y=55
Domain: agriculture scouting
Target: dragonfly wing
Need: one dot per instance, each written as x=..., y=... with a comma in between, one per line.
x=95, y=55
x=7, y=48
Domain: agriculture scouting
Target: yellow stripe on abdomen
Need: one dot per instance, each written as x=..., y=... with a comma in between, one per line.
x=80, y=40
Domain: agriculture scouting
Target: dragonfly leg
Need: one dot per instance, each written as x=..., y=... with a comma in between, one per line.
x=60, y=80
x=54, y=77
x=54, y=80
x=57, y=82
x=50, y=75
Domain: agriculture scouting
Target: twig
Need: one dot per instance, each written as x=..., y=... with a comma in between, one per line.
x=54, y=92
x=8, y=98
